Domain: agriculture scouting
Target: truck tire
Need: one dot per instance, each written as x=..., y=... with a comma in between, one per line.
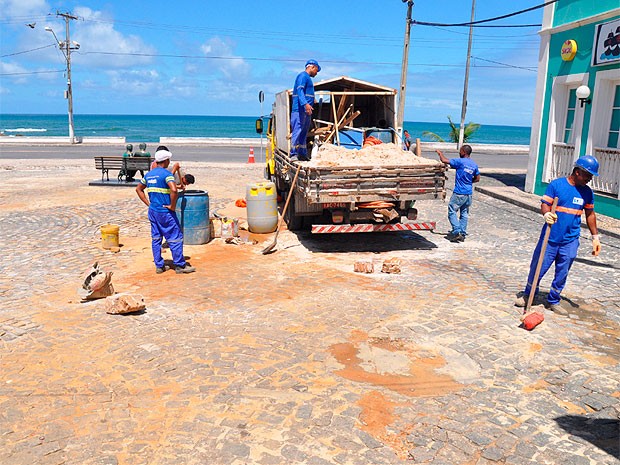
x=293, y=222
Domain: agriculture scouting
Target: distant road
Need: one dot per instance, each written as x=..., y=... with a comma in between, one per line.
x=219, y=154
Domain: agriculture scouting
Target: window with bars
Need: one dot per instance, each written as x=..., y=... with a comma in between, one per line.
x=570, y=116
x=613, y=138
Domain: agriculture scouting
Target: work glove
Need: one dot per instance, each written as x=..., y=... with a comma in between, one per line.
x=596, y=245
x=550, y=218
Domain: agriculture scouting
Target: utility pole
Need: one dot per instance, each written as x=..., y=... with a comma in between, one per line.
x=400, y=116
x=464, y=104
x=65, y=48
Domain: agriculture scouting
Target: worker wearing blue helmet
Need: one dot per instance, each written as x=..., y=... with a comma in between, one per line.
x=301, y=110
x=574, y=198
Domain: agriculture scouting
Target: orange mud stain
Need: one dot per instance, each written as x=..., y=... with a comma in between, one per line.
x=377, y=413
x=539, y=385
x=572, y=408
x=534, y=348
x=422, y=380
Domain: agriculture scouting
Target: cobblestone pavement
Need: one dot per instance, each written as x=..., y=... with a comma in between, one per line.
x=291, y=357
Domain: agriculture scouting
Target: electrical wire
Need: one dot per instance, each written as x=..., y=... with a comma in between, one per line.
x=474, y=23
x=27, y=51
x=33, y=72
x=504, y=64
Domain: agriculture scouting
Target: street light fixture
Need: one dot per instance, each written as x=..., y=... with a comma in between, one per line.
x=66, y=47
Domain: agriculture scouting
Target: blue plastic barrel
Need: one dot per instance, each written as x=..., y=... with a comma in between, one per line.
x=193, y=212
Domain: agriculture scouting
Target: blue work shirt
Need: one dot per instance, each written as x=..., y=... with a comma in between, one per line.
x=572, y=201
x=303, y=91
x=156, y=182
x=466, y=171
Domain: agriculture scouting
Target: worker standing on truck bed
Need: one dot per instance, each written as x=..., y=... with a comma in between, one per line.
x=574, y=198
x=467, y=173
x=301, y=111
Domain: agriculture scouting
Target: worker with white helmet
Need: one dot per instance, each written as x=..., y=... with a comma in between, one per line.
x=574, y=198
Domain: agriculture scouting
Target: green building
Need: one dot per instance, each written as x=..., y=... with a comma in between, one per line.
x=577, y=109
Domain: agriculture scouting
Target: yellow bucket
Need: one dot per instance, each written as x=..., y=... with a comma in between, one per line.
x=109, y=236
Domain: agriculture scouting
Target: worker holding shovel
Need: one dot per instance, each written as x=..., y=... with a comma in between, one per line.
x=574, y=198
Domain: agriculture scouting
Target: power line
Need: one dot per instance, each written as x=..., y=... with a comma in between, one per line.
x=474, y=23
x=504, y=64
x=27, y=51
x=33, y=72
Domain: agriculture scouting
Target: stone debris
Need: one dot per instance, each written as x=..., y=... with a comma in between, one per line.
x=364, y=267
x=391, y=265
x=97, y=284
x=375, y=155
x=120, y=304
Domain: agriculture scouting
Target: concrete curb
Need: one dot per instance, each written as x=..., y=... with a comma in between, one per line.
x=534, y=205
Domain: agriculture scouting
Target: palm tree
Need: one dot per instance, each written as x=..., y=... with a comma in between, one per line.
x=468, y=131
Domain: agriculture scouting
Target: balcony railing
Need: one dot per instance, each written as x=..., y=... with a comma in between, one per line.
x=608, y=180
x=561, y=163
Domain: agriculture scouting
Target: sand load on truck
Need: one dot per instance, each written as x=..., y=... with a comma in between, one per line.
x=388, y=154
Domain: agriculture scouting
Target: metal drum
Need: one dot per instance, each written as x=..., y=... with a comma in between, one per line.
x=262, y=207
x=193, y=212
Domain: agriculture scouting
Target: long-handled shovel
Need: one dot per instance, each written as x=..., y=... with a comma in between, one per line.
x=271, y=246
x=532, y=319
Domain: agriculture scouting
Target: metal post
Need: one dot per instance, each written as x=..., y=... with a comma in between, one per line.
x=464, y=104
x=400, y=116
x=69, y=90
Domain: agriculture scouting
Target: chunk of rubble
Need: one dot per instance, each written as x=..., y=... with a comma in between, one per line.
x=120, y=304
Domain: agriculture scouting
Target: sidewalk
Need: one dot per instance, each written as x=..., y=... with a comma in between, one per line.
x=606, y=225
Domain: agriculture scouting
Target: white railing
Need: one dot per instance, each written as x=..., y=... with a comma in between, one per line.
x=561, y=162
x=608, y=180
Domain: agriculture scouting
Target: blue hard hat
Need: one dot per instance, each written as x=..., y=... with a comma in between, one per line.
x=588, y=163
x=315, y=63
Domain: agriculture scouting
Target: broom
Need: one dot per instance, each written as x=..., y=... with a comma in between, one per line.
x=532, y=319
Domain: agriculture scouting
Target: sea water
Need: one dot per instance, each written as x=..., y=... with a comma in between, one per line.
x=149, y=128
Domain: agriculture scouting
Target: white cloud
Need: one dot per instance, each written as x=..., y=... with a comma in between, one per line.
x=97, y=34
x=12, y=71
x=18, y=8
x=136, y=82
x=231, y=66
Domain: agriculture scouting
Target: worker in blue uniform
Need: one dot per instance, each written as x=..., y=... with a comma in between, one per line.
x=301, y=111
x=160, y=185
x=574, y=198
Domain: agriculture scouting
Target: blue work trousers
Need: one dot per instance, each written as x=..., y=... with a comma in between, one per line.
x=458, y=212
x=166, y=224
x=563, y=256
x=300, y=123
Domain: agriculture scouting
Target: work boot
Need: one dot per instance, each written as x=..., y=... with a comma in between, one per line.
x=294, y=158
x=451, y=235
x=557, y=308
x=458, y=238
x=161, y=269
x=185, y=269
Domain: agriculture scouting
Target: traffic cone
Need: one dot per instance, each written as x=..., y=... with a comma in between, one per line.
x=251, y=156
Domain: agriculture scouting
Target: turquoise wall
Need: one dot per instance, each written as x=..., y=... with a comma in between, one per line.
x=584, y=36
x=567, y=11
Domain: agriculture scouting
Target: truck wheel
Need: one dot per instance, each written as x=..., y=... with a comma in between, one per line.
x=293, y=222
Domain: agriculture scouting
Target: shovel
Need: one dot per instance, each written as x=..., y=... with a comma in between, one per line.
x=527, y=313
x=271, y=246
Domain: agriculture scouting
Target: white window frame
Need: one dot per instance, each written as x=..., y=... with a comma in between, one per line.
x=600, y=117
x=557, y=115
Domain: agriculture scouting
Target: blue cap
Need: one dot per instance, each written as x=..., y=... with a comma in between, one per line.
x=313, y=62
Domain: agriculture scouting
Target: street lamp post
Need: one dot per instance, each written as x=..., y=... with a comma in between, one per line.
x=65, y=48
x=400, y=116
x=466, y=84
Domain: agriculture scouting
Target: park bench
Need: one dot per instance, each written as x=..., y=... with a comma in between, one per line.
x=122, y=164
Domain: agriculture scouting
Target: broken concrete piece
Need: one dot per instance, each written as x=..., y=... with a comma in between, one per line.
x=391, y=265
x=364, y=267
x=120, y=304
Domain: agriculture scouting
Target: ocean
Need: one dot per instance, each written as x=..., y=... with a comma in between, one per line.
x=149, y=128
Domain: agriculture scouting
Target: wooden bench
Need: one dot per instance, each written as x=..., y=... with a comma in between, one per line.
x=122, y=164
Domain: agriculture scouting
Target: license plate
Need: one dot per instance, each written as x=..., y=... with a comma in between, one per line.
x=335, y=205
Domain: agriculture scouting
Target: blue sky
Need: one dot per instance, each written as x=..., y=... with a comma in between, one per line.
x=213, y=57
